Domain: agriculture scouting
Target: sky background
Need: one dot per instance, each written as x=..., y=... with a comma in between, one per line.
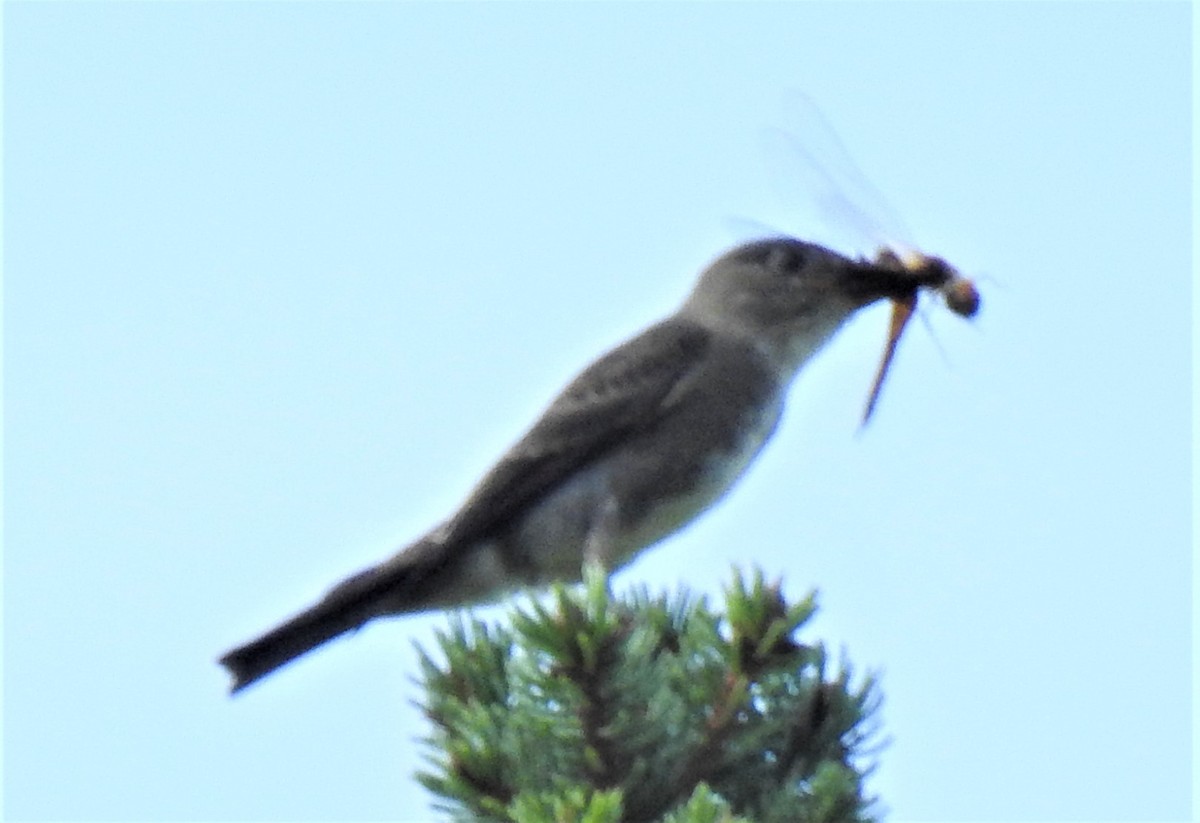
x=282, y=280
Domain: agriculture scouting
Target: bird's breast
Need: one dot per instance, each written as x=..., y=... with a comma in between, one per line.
x=687, y=478
x=662, y=475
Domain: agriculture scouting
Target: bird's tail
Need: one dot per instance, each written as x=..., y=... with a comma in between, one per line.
x=346, y=607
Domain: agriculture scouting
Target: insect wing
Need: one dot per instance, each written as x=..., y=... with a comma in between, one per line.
x=807, y=161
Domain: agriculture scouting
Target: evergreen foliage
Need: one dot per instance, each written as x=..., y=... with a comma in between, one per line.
x=597, y=710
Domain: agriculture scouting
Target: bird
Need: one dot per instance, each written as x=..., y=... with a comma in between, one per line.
x=638, y=445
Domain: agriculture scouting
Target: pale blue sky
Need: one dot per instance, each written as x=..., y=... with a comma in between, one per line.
x=282, y=279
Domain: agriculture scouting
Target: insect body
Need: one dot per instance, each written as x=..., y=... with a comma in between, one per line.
x=813, y=159
x=934, y=273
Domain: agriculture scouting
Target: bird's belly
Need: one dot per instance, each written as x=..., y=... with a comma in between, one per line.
x=714, y=475
x=613, y=509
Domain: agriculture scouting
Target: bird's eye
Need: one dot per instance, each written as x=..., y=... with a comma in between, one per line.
x=776, y=256
x=784, y=259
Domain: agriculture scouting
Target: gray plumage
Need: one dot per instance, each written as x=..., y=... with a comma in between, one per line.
x=641, y=442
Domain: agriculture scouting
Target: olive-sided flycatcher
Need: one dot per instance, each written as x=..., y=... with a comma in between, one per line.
x=638, y=445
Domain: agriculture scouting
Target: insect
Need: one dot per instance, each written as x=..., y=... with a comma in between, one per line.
x=819, y=165
x=958, y=292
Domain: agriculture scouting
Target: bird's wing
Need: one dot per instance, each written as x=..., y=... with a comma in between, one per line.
x=627, y=389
